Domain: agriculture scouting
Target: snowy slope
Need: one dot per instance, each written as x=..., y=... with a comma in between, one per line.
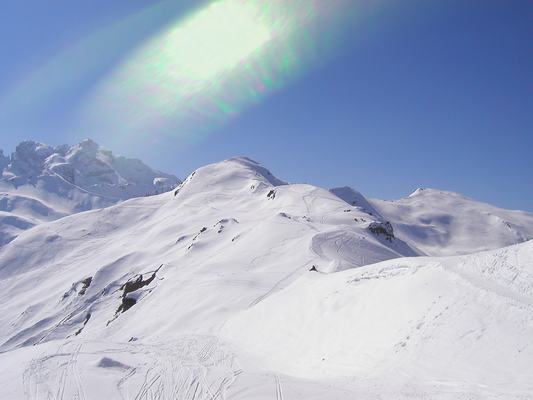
x=441, y=223
x=227, y=224
x=43, y=183
x=462, y=323
x=19, y=213
x=356, y=199
x=86, y=311
x=229, y=236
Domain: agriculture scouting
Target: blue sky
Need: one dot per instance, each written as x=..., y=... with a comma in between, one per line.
x=416, y=94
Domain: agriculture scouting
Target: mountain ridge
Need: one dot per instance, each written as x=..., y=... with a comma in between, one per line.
x=239, y=285
x=445, y=223
x=40, y=183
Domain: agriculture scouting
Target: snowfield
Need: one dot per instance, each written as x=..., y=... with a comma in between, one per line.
x=237, y=285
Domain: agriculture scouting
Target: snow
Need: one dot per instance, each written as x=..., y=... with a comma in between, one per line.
x=461, y=321
x=266, y=290
x=444, y=223
x=40, y=183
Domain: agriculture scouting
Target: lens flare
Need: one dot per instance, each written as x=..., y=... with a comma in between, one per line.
x=212, y=42
x=82, y=58
x=211, y=65
x=178, y=68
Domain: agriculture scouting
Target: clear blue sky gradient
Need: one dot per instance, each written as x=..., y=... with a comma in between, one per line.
x=426, y=93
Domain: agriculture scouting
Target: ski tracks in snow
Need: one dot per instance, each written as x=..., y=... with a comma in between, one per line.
x=279, y=389
x=191, y=368
x=51, y=377
x=196, y=368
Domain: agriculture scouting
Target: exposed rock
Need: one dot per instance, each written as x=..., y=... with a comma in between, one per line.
x=382, y=228
x=85, y=285
x=4, y=161
x=87, y=318
x=132, y=286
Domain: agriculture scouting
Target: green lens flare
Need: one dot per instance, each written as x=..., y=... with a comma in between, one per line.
x=153, y=73
x=213, y=41
x=211, y=65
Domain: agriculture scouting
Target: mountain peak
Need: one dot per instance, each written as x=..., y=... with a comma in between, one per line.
x=41, y=182
x=443, y=223
x=422, y=191
x=432, y=191
x=29, y=157
x=257, y=168
x=243, y=159
x=88, y=142
x=88, y=166
x=88, y=146
x=232, y=174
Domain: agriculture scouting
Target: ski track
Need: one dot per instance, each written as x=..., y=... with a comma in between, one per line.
x=279, y=389
x=192, y=368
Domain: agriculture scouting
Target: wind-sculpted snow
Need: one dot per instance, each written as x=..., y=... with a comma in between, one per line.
x=238, y=285
x=342, y=249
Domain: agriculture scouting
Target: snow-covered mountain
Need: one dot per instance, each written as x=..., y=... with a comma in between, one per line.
x=43, y=183
x=238, y=285
x=441, y=223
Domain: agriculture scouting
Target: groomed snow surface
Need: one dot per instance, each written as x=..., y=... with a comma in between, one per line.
x=237, y=285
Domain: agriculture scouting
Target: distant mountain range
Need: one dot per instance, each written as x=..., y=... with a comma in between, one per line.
x=43, y=183
x=235, y=284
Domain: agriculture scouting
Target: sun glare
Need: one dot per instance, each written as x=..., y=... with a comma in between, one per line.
x=209, y=66
x=214, y=40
